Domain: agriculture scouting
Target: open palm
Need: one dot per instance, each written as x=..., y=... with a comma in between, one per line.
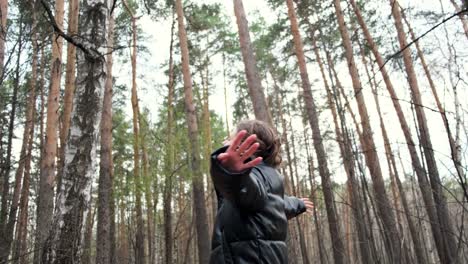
x=239, y=151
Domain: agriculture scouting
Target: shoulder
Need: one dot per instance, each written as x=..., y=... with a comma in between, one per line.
x=269, y=176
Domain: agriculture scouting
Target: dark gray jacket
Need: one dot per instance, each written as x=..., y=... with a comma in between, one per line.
x=251, y=222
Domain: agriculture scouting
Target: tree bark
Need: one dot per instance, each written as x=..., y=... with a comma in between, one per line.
x=394, y=247
x=420, y=171
x=169, y=157
x=335, y=230
x=191, y=116
x=73, y=10
x=454, y=147
x=3, y=34
x=347, y=155
x=254, y=82
x=462, y=17
x=140, y=239
x=47, y=180
x=449, y=254
x=105, y=188
x=65, y=243
x=20, y=252
x=8, y=219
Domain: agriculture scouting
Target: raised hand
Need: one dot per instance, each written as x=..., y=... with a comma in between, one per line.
x=309, y=205
x=239, y=151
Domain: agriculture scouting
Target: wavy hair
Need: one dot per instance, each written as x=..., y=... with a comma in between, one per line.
x=270, y=143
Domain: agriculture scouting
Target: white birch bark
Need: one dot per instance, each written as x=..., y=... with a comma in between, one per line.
x=65, y=242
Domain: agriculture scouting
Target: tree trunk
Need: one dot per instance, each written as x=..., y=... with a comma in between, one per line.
x=73, y=10
x=8, y=220
x=335, y=230
x=47, y=180
x=105, y=188
x=462, y=17
x=420, y=171
x=20, y=253
x=417, y=243
x=449, y=254
x=3, y=34
x=254, y=82
x=169, y=158
x=87, y=252
x=191, y=116
x=454, y=147
x=313, y=196
x=394, y=247
x=139, y=239
x=347, y=155
x=65, y=243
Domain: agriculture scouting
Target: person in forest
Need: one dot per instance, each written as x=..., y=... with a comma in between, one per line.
x=251, y=222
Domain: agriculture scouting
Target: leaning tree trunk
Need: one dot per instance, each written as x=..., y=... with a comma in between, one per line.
x=105, y=188
x=461, y=16
x=45, y=202
x=420, y=171
x=417, y=243
x=347, y=155
x=191, y=116
x=454, y=147
x=334, y=226
x=394, y=247
x=254, y=82
x=449, y=254
x=139, y=239
x=65, y=242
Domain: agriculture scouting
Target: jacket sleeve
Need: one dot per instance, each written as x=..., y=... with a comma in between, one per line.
x=293, y=206
x=246, y=189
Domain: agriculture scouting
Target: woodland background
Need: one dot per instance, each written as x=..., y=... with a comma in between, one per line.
x=109, y=111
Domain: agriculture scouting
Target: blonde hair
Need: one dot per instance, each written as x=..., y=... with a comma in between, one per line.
x=270, y=143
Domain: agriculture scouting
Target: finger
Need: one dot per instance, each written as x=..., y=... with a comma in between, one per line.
x=250, y=151
x=252, y=163
x=305, y=199
x=247, y=143
x=237, y=140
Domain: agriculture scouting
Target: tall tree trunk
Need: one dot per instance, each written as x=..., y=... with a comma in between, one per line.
x=313, y=198
x=334, y=226
x=3, y=35
x=47, y=180
x=420, y=171
x=417, y=243
x=454, y=147
x=449, y=245
x=254, y=82
x=8, y=219
x=65, y=243
x=105, y=188
x=169, y=157
x=191, y=116
x=20, y=252
x=73, y=10
x=139, y=239
x=149, y=201
x=393, y=244
x=347, y=155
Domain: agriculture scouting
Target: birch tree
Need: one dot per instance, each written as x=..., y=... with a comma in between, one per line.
x=65, y=241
